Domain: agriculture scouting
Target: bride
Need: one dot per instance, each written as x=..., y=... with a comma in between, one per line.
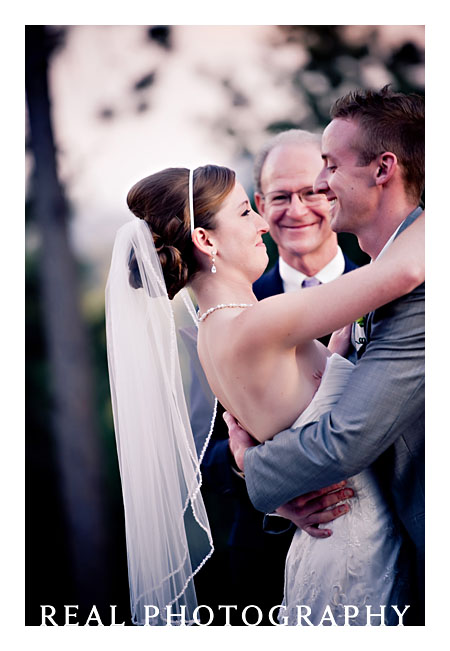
x=262, y=363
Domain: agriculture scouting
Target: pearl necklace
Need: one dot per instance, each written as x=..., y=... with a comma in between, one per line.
x=220, y=307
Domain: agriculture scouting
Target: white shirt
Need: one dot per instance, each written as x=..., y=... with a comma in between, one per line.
x=292, y=279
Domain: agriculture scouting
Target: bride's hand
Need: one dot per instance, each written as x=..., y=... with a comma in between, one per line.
x=340, y=340
x=312, y=509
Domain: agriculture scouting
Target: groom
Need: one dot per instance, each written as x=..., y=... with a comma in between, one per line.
x=373, y=176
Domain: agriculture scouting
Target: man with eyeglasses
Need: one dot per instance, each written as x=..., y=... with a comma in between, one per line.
x=299, y=219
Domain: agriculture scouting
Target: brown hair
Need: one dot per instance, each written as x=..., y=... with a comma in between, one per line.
x=390, y=122
x=162, y=200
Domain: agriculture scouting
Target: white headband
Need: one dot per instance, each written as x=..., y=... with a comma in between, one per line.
x=191, y=199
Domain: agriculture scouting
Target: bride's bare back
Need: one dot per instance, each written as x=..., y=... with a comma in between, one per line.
x=265, y=389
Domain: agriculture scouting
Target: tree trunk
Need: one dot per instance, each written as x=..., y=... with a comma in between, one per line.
x=74, y=426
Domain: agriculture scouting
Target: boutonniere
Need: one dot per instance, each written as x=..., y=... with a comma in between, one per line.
x=359, y=332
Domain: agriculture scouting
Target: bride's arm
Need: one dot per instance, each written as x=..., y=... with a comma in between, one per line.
x=297, y=317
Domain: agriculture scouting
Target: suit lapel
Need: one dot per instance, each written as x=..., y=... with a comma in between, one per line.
x=408, y=221
x=349, y=265
x=269, y=284
x=276, y=284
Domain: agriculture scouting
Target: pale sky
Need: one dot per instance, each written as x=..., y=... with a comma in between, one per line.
x=103, y=158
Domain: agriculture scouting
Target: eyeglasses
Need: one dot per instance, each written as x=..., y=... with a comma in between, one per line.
x=282, y=199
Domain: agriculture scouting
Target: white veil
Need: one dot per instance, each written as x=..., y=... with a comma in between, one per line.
x=167, y=530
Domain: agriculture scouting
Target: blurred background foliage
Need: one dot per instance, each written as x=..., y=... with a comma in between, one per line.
x=75, y=548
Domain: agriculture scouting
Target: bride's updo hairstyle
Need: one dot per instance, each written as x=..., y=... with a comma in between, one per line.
x=162, y=200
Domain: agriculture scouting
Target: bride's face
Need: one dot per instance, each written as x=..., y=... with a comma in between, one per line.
x=238, y=235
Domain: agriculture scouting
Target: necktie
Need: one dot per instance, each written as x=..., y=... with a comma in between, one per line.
x=311, y=282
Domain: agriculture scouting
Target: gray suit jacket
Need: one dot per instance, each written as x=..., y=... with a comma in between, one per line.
x=378, y=421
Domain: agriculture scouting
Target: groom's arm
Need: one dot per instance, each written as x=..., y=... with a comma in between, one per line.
x=379, y=404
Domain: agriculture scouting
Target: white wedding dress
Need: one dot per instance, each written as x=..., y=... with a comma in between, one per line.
x=358, y=564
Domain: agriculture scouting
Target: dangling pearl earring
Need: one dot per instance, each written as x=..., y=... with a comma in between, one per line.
x=213, y=268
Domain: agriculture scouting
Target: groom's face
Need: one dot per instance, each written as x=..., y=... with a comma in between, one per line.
x=348, y=184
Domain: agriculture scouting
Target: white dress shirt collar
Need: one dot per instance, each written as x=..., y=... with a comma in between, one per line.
x=292, y=279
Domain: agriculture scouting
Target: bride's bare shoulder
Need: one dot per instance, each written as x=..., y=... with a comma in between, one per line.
x=232, y=337
x=259, y=327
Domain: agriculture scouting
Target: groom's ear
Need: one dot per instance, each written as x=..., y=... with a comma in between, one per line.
x=387, y=165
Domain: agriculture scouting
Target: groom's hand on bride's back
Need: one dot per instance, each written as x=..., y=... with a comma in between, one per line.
x=240, y=440
x=317, y=507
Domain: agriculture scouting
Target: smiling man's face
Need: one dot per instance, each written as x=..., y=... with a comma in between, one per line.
x=349, y=184
x=298, y=228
